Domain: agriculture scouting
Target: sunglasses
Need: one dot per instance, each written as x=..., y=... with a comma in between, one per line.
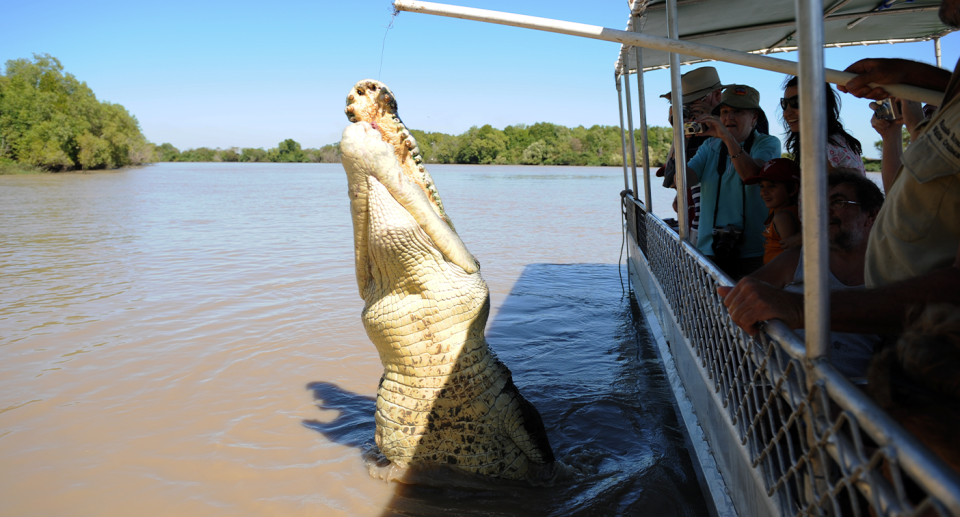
x=790, y=102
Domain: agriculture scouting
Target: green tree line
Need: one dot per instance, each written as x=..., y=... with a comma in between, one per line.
x=288, y=151
x=539, y=144
x=51, y=120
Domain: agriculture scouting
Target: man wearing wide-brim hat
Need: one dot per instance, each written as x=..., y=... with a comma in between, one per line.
x=700, y=94
x=698, y=85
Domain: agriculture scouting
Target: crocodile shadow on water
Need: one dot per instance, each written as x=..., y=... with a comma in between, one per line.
x=580, y=353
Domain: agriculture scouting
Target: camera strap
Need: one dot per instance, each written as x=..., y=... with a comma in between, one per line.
x=722, y=168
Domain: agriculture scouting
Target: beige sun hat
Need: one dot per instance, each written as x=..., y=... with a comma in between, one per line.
x=696, y=84
x=739, y=96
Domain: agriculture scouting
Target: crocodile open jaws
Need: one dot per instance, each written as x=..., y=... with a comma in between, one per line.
x=444, y=397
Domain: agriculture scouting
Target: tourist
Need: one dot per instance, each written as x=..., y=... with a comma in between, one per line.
x=891, y=136
x=779, y=182
x=701, y=91
x=843, y=150
x=853, y=202
x=732, y=214
x=913, y=255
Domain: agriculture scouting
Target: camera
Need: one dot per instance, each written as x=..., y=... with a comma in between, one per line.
x=692, y=128
x=887, y=110
x=725, y=241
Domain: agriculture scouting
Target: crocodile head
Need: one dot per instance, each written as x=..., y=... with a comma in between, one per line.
x=377, y=147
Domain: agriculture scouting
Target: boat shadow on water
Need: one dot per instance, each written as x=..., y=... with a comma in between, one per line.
x=581, y=355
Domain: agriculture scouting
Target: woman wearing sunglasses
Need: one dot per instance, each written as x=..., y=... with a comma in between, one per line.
x=843, y=150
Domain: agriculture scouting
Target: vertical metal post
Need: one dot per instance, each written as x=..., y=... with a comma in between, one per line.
x=623, y=141
x=626, y=181
x=633, y=145
x=936, y=48
x=644, y=144
x=679, y=142
x=813, y=135
x=816, y=262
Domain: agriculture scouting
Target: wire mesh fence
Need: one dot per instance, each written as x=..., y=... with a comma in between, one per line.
x=821, y=445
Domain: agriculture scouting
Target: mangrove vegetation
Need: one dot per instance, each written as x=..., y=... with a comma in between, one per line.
x=51, y=121
x=538, y=144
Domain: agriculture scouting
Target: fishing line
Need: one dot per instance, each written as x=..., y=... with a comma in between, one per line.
x=393, y=17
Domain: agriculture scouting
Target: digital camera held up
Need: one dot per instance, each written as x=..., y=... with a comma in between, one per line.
x=887, y=110
x=726, y=241
x=692, y=128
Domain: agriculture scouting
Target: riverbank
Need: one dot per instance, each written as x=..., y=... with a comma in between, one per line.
x=20, y=168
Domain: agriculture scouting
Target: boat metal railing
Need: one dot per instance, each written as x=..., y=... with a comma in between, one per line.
x=819, y=444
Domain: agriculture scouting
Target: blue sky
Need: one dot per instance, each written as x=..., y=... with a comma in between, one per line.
x=247, y=74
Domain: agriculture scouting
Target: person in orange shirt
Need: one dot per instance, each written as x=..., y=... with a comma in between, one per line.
x=779, y=187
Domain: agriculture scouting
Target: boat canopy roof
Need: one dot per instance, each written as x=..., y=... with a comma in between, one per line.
x=769, y=26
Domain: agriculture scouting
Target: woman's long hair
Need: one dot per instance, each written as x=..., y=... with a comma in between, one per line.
x=835, y=131
x=763, y=125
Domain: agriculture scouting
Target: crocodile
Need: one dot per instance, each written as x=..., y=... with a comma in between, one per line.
x=444, y=397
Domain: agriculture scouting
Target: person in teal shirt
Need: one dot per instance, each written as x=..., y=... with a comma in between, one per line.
x=724, y=199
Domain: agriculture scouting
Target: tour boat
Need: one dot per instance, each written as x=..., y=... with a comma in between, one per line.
x=774, y=428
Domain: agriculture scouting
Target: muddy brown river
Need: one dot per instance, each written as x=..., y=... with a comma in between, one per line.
x=185, y=339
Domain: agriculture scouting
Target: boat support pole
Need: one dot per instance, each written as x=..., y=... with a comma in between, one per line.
x=623, y=141
x=813, y=131
x=644, y=144
x=679, y=142
x=633, y=145
x=626, y=181
x=637, y=39
x=816, y=261
x=936, y=48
